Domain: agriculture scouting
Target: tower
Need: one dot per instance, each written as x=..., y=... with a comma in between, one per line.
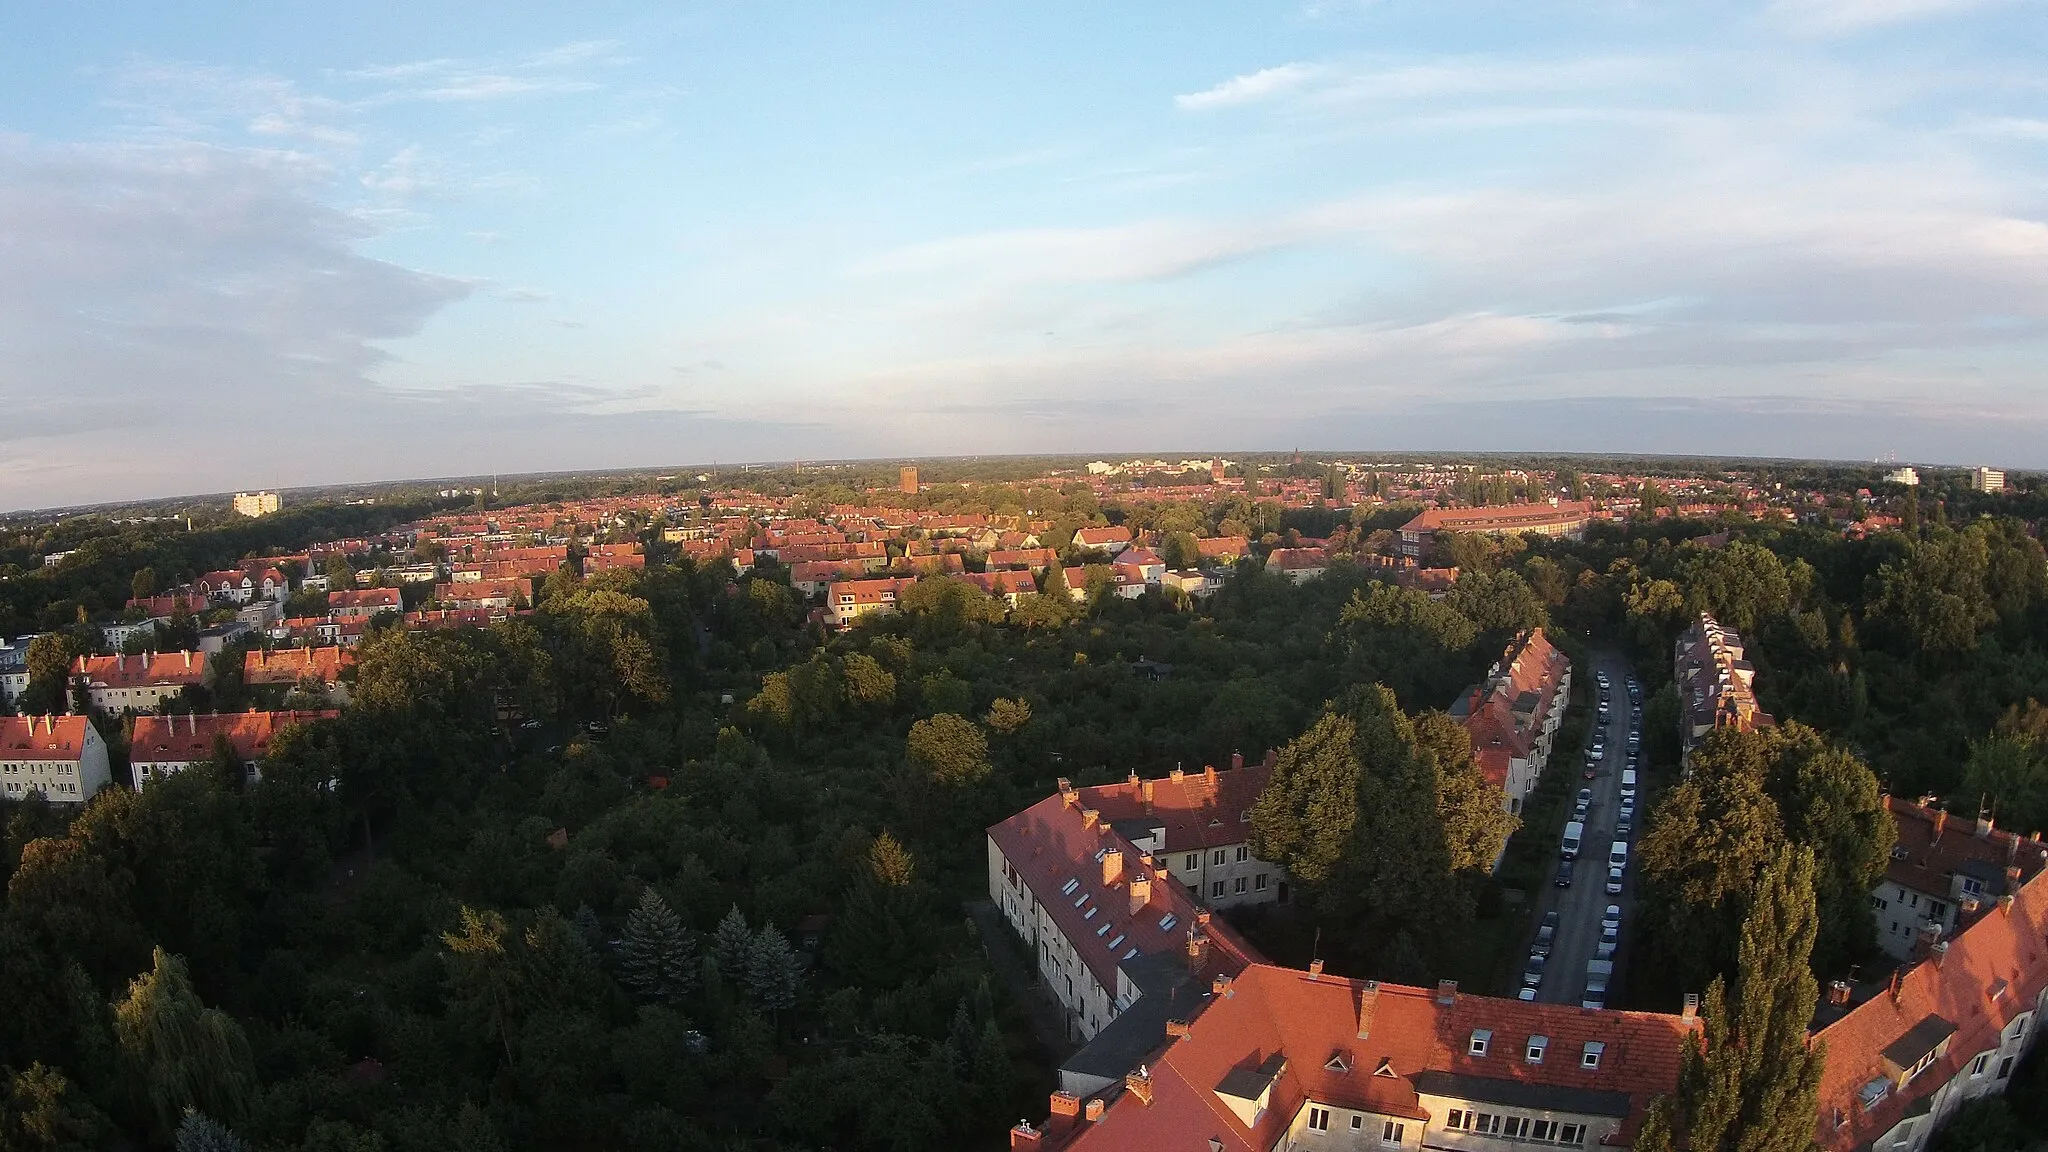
x=906, y=481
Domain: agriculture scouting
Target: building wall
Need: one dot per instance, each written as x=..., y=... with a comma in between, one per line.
x=1978, y=1074
x=1231, y=865
x=60, y=781
x=1900, y=912
x=1072, y=983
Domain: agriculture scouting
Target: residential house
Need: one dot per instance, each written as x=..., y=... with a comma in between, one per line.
x=810, y=577
x=363, y=603
x=1193, y=581
x=1010, y=586
x=14, y=668
x=1514, y=713
x=1565, y=519
x=163, y=745
x=230, y=587
x=1144, y=562
x=1110, y=538
x=138, y=683
x=849, y=600
x=492, y=594
x=61, y=757
x=1031, y=559
x=1939, y=866
x=1716, y=684
x=1223, y=549
x=1298, y=564
x=314, y=671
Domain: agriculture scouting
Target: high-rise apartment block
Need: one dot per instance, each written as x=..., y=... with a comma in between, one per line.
x=255, y=503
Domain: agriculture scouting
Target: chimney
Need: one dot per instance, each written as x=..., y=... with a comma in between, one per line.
x=1209, y=773
x=1094, y=1112
x=1939, y=952
x=2012, y=877
x=1064, y=1104
x=1691, y=1011
x=1928, y=937
x=1967, y=906
x=1447, y=991
x=1139, y=1084
x=1983, y=826
x=1145, y=791
x=1315, y=969
x=1838, y=992
x=1898, y=982
x=1132, y=779
x=1940, y=822
x=1179, y=1029
x=1220, y=986
x=1198, y=950
x=1089, y=816
x=1025, y=1136
x=2005, y=903
x=1236, y=761
x=1112, y=867
x=1368, y=1000
x=1176, y=775
x=1068, y=796
x=1141, y=892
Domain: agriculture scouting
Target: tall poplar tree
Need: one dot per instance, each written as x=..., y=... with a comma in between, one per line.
x=1749, y=1081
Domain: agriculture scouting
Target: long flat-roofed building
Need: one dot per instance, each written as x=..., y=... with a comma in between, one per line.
x=1566, y=519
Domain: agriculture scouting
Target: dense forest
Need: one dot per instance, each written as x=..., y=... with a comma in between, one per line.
x=664, y=865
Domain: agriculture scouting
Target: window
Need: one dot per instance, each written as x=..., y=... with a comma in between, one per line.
x=1572, y=1134
x=1102, y=931
x=2005, y=1067
x=1194, y=861
x=1318, y=1119
x=1216, y=888
x=1936, y=909
x=1537, y=1044
x=1591, y=1058
x=1216, y=857
x=1481, y=1037
x=1978, y=1065
x=1390, y=1132
x=1239, y=885
x=1458, y=1119
x=1259, y=882
x=1243, y=854
x=1067, y=889
x=1117, y=943
x=1544, y=1131
x=1486, y=1123
x=1972, y=886
x=1515, y=1127
x=1167, y=922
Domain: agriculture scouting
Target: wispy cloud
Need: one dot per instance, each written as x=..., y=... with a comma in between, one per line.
x=1251, y=87
x=563, y=69
x=1834, y=17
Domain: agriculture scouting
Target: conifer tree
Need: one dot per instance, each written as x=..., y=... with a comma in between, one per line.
x=657, y=958
x=201, y=1133
x=772, y=971
x=179, y=1053
x=1751, y=1082
x=730, y=942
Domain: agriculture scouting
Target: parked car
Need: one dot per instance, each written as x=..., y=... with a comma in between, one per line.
x=1526, y=994
x=1546, y=934
x=1611, y=921
x=1564, y=874
x=1624, y=827
x=1532, y=976
x=1592, y=999
x=1614, y=881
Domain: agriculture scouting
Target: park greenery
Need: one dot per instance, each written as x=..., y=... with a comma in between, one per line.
x=664, y=864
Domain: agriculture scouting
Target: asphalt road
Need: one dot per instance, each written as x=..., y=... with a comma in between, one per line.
x=1581, y=906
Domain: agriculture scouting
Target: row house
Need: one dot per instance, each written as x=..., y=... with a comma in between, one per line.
x=363, y=603
x=849, y=600
x=429, y=621
x=1030, y=559
x=1198, y=826
x=609, y=561
x=320, y=631
x=164, y=607
x=1562, y=519
x=230, y=587
x=1298, y=564
x=809, y=577
x=61, y=758
x=1716, y=684
x=1514, y=713
x=1223, y=549
x=1949, y=1027
x=1009, y=587
x=499, y=594
x=1937, y=870
x=1117, y=944
x=163, y=745
x=1276, y=1059
x=138, y=683
x=314, y=671
x=1110, y=538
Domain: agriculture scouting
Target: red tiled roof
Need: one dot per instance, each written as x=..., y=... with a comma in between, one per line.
x=1505, y=713
x=53, y=738
x=1994, y=969
x=136, y=671
x=290, y=665
x=1309, y=1020
x=1222, y=546
x=378, y=598
x=1206, y=809
x=189, y=738
x=1107, y=534
x=1932, y=847
x=1297, y=559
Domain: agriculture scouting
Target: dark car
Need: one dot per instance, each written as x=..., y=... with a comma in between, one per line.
x=1564, y=874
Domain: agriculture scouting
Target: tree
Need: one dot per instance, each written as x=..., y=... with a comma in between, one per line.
x=868, y=684
x=1007, y=715
x=43, y=1112
x=949, y=749
x=1751, y=1082
x=729, y=943
x=1705, y=843
x=201, y=1133
x=657, y=958
x=482, y=976
x=143, y=585
x=48, y=664
x=1303, y=819
x=890, y=863
x=773, y=973
x=179, y=1053
x=2007, y=773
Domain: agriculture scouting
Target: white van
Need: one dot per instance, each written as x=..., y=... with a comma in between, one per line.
x=1628, y=783
x=1617, y=854
x=1573, y=833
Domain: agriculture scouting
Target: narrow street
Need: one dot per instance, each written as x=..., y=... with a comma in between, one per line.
x=1581, y=906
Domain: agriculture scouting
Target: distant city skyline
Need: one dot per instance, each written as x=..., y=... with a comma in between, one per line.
x=276, y=248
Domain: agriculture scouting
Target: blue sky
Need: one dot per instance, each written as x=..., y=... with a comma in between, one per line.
x=248, y=245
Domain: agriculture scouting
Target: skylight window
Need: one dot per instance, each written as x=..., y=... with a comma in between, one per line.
x=1167, y=922
x=1537, y=1046
x=1594, y=1050
x=1090, y=914
x=1067, y=889
x=1131, y=953
x=1117, y=943
x=1080, y=900
x=1102, y=931
x=1482, y=1038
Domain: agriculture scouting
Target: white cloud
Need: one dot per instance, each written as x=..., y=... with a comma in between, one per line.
x=1833, y=17
x=1251, y=87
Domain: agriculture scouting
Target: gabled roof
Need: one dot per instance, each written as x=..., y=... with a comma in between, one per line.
x=139, y=671
x=189, y=738
x=1204, y=809
x=1933, y=847
x=1297, y=559
x=55, y=739
x=290, y=665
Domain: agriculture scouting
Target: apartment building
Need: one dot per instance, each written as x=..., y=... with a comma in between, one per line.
x=312, y=670
x=850, y=600
x=1118, y=944
x=1564, y=519
x=163, y=745
x=1514, y=713
x=1276, y=1059
x=137, y=683
x=255, y=503
x=363, y=603
x=62, y=758
x=1948, y=1028
x=1298, y=564
x=1716, y=684
x=1987, y=479
x=1940, y=867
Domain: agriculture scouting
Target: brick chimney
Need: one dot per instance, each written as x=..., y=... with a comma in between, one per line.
x=1065, y=1104
x=1209, y=773
x=1315, y=969
x=1139, y=1084
x=1447, y=992
x=1368, y=1000
x=1983, y=826
x=2012, y=877
x=1141, y=892
x=1691, y=1011
x=1838, y=992
x=1179, y=1029
x=1236, y=761
x=1176, y=775
x=1089, y=816
x=1025, y=1136
x=1094, y=1111
x=1940, y=823
x=1068, y=796
x=1112, y=867
x=2005, y=903
x=1220, y=986
x=1198, y=950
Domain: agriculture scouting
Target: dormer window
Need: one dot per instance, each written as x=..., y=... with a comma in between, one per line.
x=1336, y=1063
x=1537, y=1046
x=1591, y=1057
x=1482, y=1038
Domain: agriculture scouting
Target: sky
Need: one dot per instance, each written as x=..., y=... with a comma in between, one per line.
x=272, y=245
